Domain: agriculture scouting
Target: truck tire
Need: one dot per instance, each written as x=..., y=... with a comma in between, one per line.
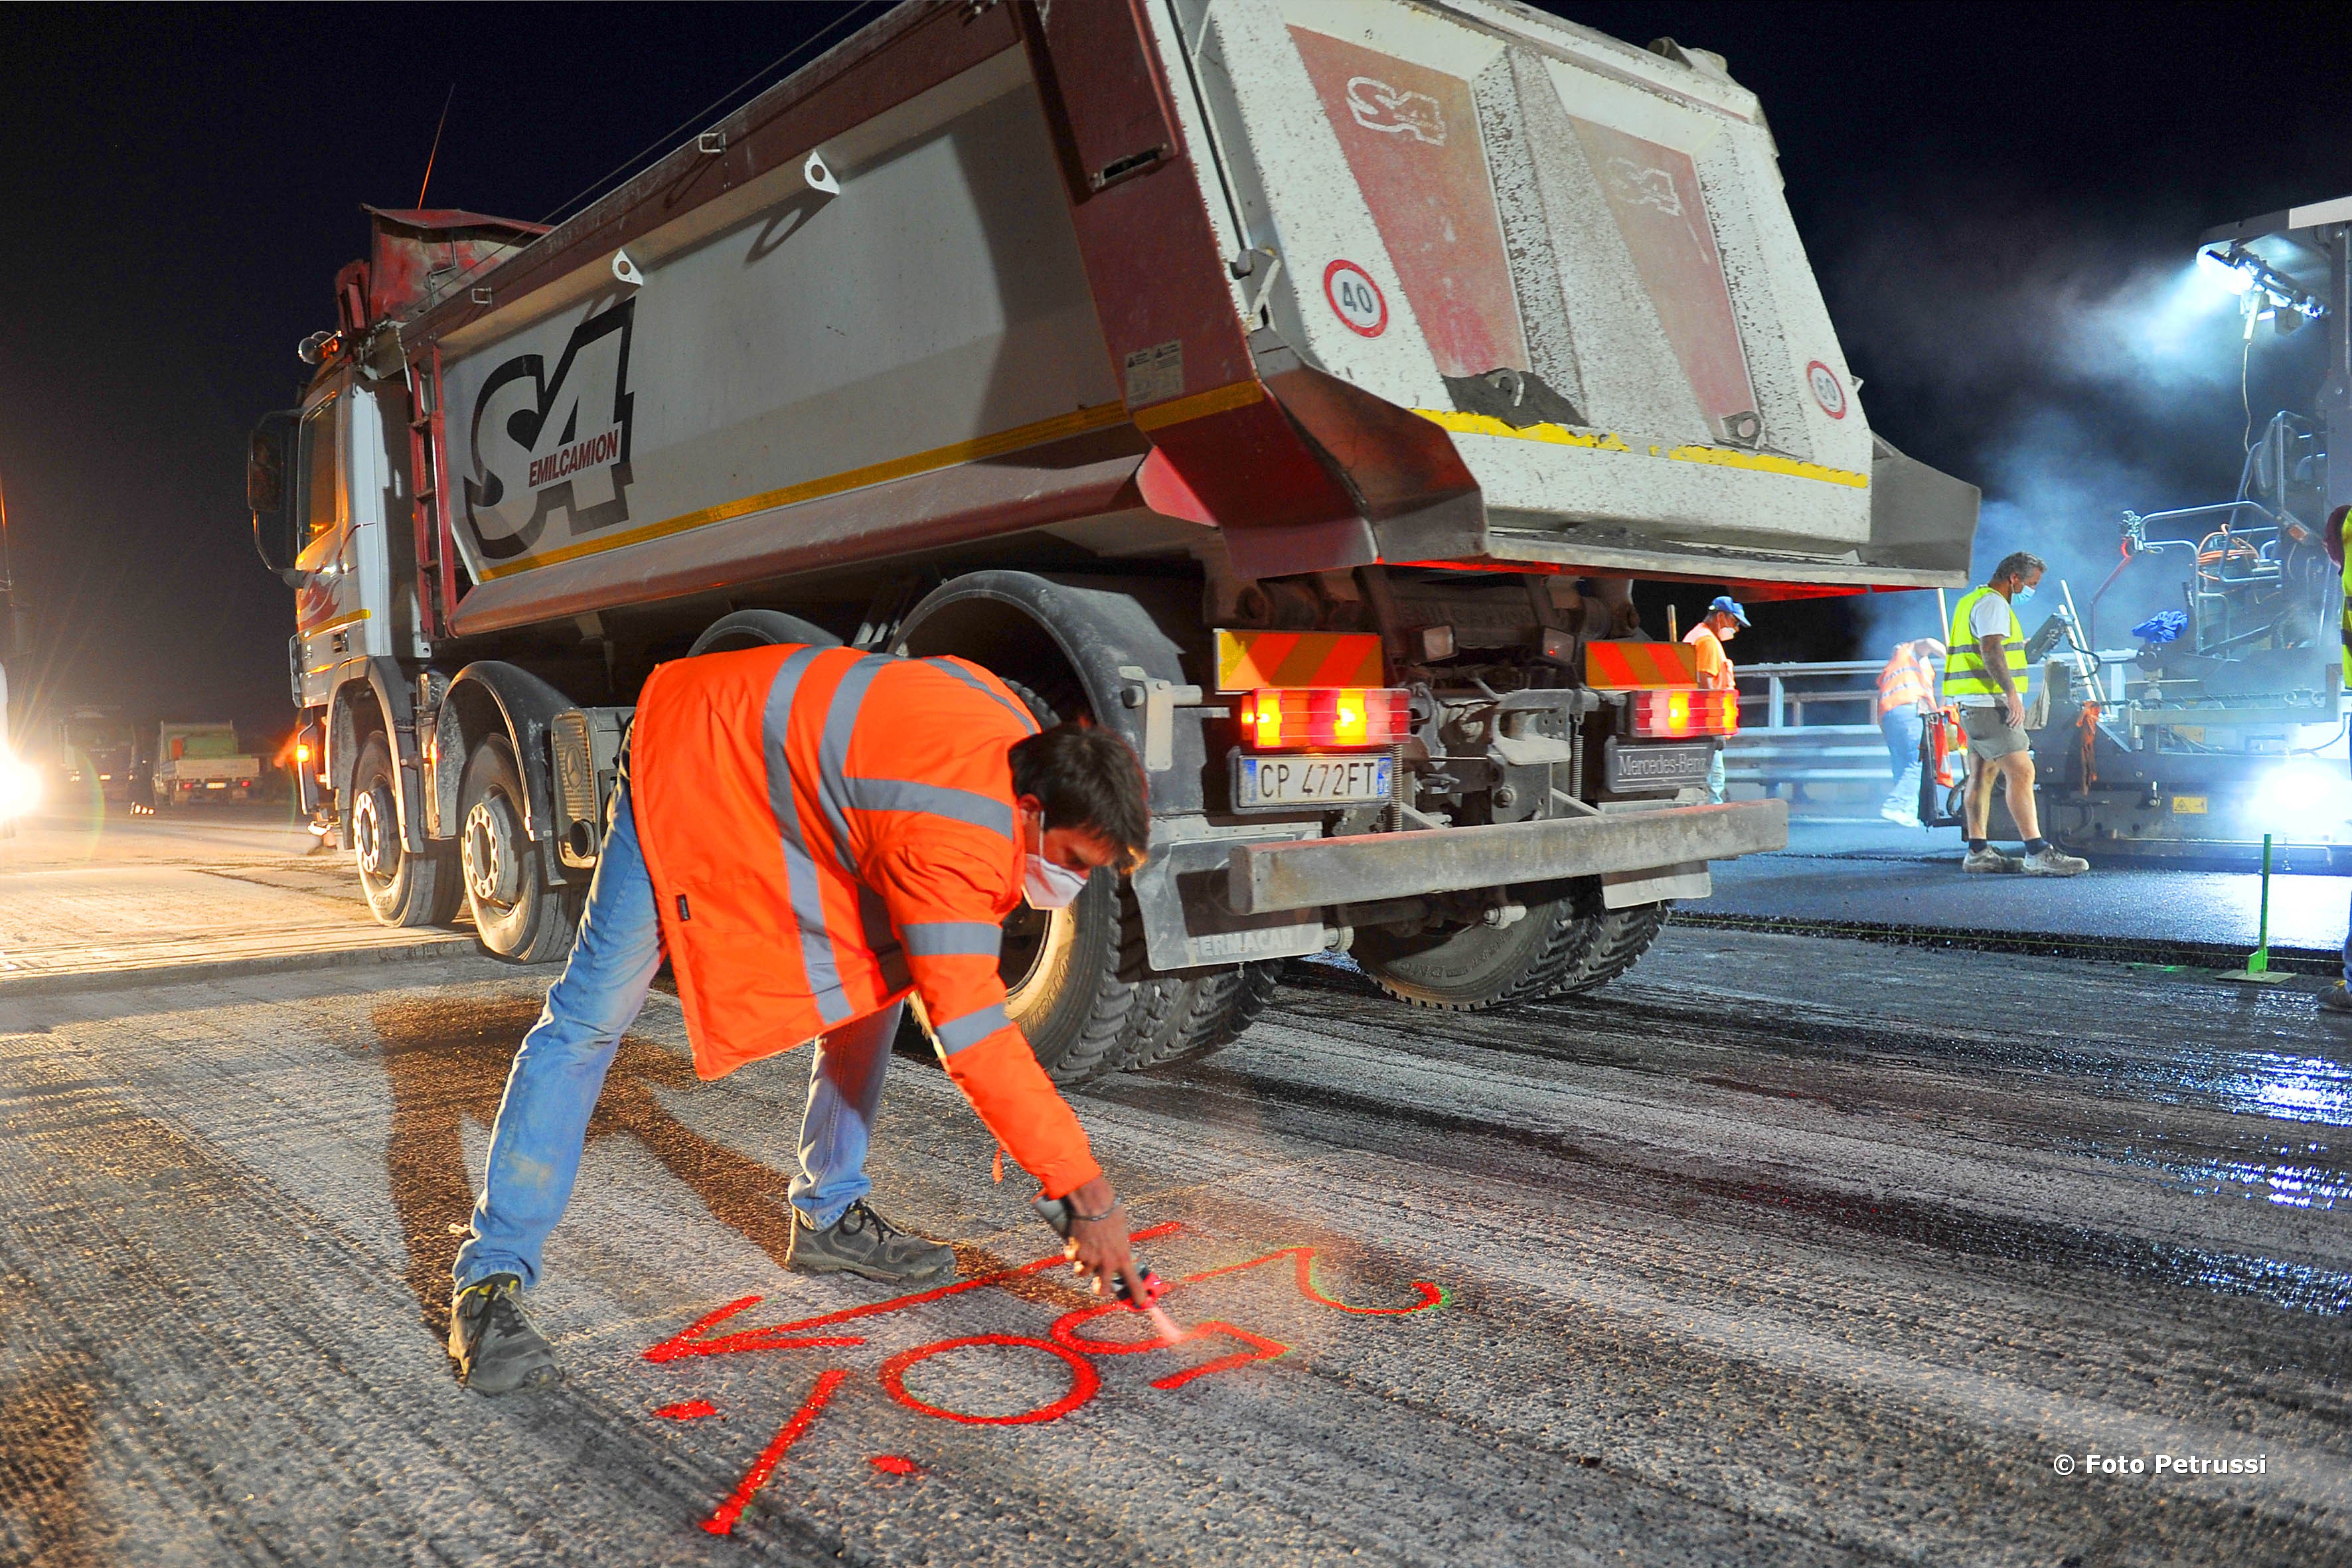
x=1065, y=983
x=401, y=888
x=760, y=628
x=1181, y=1020
x=1080, y=987
x=517, y=915
x=1566, y=941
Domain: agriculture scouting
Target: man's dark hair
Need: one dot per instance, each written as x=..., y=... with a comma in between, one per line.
x=2017, y=563
x=1086, y=777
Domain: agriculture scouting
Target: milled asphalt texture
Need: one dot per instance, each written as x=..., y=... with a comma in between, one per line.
x=1768, y=1253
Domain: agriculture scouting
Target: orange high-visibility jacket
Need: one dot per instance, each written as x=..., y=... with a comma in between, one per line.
x=1905, y=682
x=1714, y=672
x=827, y=830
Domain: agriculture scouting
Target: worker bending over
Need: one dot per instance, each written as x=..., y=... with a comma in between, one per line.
x=812, y=835
x=1725, y=618
x=1986, y=678
x=1906, y=700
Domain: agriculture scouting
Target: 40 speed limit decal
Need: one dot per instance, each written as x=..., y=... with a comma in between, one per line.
x=1355, y=299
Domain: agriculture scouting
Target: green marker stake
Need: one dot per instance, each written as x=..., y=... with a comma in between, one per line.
x=2258, y=962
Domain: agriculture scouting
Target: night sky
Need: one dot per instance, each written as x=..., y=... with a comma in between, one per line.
x=1998, y=201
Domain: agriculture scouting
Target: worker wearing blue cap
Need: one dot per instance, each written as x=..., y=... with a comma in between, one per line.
x=1725, y=618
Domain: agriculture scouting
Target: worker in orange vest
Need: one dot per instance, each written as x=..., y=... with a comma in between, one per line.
x=1906, y=698
x=1724, y=618
x=812, y=835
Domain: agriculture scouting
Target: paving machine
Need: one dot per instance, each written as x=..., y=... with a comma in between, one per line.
x=2223, y=720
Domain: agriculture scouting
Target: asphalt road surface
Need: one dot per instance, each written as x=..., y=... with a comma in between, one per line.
x=1841, y=872
x=1784, y=1250
x=86, y=898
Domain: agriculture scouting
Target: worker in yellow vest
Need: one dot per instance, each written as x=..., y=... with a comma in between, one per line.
x=1985, y=675
x=1725, y=616
x=2336, y=998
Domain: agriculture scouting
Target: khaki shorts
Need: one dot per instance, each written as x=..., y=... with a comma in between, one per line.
x=1990, y=734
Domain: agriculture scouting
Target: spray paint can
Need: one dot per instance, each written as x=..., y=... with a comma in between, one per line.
x=1059, y=1212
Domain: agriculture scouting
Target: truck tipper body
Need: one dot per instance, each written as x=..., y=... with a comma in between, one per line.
x=1297, y=387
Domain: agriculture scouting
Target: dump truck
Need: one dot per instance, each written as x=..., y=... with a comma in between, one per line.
x=94, y=752
x=1297, y=388
x=202, y=761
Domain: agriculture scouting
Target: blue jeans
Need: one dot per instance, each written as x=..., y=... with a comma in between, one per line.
x=1902, y=729
x=560, y=1070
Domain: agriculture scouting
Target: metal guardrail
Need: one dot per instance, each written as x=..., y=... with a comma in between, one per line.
x=1783, y=748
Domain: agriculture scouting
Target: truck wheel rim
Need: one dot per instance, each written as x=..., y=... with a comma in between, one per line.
x=1047, y=935
x=490, y=871
x=368, y=837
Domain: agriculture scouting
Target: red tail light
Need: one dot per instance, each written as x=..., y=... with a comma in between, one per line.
x=1296, y=720
x=1678, y=715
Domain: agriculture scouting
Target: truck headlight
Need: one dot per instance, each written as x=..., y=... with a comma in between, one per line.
x=20, y=788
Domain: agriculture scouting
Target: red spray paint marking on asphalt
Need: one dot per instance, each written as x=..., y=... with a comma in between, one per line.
x=1065, y=1343
x=1065, y=1332
x=1084, y=1379
x=1430, y=1295
x=688, y=1410
x=722, y=1522
x=690, y=1341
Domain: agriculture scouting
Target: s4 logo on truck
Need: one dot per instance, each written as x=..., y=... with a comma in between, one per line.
x=544, y=443
x=1395, y=111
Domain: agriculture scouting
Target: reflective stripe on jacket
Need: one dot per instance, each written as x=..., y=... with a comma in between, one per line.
x=1715, y=673
x=1906, y=683
x=1964, y=672
x=827, y=830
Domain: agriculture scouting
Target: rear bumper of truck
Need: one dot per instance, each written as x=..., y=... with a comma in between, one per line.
x=1315, y=873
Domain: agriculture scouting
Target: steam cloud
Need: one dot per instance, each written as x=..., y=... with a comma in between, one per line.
x=2070, y=375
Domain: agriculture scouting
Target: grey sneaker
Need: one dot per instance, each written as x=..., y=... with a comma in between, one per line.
x=499, y=1349
x=861, y=1242
x=2335, y=999
x=2051, y=861
x=1990, y=859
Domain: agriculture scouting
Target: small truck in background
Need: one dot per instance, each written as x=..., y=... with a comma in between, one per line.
x=202, y=761
x=1295, y=386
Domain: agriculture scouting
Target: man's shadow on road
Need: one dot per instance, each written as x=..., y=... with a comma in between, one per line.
x=447, y=1060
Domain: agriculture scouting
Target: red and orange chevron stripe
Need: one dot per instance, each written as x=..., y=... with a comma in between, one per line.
x=1251, y=661
x=1639, y=666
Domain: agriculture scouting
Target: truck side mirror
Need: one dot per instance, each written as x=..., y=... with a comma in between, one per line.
x=269, y=490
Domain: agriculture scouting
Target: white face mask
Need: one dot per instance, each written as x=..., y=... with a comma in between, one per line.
x=1050, y=886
